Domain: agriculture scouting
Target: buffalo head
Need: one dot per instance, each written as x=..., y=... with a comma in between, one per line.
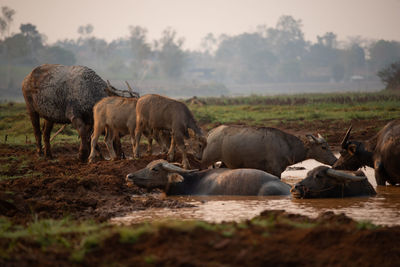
x=198, y=143
x=324, y=182
x=319, y=150
x=353, y=154
x=157, y=174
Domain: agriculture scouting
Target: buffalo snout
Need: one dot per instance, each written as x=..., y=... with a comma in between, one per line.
x=298, y=191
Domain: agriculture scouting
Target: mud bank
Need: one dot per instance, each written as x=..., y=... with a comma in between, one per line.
x=274, y=238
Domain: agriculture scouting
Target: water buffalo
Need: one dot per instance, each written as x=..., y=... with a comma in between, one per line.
x=63, y=94
x=264, y=148
x=117, y=117
x=381, y=152
x=324, y=182
x=158, y=113
x=177, y=181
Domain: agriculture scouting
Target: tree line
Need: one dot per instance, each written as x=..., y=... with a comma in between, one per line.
x=267, y=55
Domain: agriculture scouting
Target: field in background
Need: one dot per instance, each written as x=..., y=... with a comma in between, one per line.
x=295, y=110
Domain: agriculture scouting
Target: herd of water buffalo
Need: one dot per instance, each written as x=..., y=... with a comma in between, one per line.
x=252, y=158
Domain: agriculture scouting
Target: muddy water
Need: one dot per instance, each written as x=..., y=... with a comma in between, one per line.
x=382, y=209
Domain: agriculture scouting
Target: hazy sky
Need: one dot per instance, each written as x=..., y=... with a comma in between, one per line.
x=193, y=19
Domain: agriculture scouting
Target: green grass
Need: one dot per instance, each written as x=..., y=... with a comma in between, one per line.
x=253, y=110
x=274, y=114
x=16, y=127
x=366, y=225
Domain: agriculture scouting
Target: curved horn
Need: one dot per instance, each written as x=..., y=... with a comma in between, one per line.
x=321, y=139
x=346, y=137
x=132, y=93
x=109, y=84
x=172, y=168
x=129, y=87
x=312, y=138
x=343, y=176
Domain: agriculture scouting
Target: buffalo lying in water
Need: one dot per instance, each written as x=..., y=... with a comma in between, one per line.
x=177, y=181
x=324, y=182
x=381, y=152
x=264, y=148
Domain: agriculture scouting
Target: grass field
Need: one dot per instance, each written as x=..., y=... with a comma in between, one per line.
x=253, y=110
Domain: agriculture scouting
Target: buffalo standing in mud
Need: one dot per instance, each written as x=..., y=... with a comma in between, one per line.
x=177, y=181
x=116, y=116
x=63, y=94
x=381, y=152
x=157, y=113
x=324, y=182
x=264, y=148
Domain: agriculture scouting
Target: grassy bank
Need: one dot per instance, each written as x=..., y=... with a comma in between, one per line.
x=70, y=242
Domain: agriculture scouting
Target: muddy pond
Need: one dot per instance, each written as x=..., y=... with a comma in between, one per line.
x=383, y=209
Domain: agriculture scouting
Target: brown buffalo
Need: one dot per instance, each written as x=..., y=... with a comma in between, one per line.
x=159, y=113
x=116, y=116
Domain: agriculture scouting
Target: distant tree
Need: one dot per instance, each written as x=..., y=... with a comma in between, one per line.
x=57, y=55
x=353, y=60
x=390, y=76
x=209, y=43
x=383, y=53
x=171, y=56
x=328, y=40
x=6, y=20
x=287, y=38
x=85, y=30
x=140, y=51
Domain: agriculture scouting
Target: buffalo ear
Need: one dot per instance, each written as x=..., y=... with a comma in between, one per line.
x=352, y=148
x=175, y=178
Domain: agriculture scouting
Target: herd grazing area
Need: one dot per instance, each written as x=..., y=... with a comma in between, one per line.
x=57, y=212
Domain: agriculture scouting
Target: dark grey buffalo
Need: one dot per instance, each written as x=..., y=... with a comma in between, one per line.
x=63, y=94
x=381, y=152
x=264, y=148
x=177, y=181
x=324, y=182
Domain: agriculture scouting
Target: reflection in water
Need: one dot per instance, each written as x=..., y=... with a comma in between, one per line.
x=381, y=209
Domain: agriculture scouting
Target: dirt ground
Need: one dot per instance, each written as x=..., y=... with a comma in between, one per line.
x=65, y=187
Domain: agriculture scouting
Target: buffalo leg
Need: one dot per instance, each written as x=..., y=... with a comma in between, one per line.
x=83, y=131
x=97, y=131
x=109, y=140
x=180, y=143
x=35, y=119
x=138, y=135
x=48, y=126
x=171, y=151
x=150, y=145
x=380, y=173
x=118, y=147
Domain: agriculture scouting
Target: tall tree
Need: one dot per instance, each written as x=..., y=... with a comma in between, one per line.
x=6, y=20
x=171, y=56
x=382, y=53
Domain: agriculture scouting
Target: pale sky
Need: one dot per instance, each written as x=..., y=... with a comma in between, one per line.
x=193, y=19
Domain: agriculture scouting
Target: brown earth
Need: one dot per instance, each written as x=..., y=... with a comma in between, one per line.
x=65, y=187
x=274, y=238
